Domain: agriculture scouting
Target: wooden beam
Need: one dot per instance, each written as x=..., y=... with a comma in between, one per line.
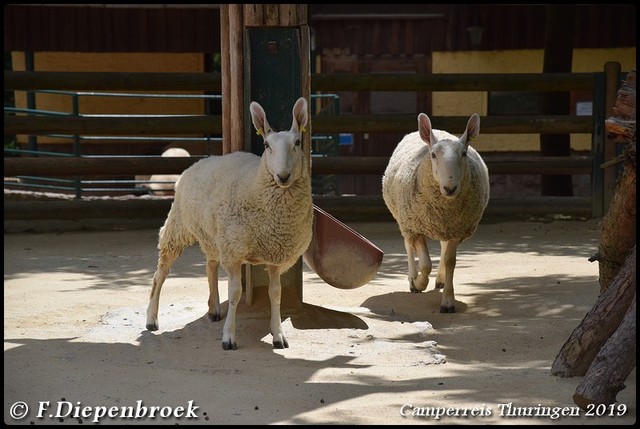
x=454, y=124
x=96, y=166
x=112, y=81
x=132, y=165
x=321, y=124
x=113, y=126
x=452, y=82
x=343, y=208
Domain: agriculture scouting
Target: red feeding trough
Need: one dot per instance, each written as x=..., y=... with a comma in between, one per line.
x=339, y=255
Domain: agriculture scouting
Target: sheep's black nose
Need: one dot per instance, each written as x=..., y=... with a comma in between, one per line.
x=450, y=191
x=284, y=178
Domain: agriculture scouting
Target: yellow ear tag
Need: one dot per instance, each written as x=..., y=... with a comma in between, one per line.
x=303, y=129
x=259, y=132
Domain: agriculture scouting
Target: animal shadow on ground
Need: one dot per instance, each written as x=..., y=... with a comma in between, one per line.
x=253, y=319
x=303, y=315
x=408, y=306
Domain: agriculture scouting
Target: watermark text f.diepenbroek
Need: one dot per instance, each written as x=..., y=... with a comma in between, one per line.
x=77, y=410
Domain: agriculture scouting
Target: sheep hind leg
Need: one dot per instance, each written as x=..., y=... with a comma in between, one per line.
x=445, y=275
x=413, y=271
x=214, y=298
x=235, y=293
x=275, y=296
x=165, y=261
x=420, y=281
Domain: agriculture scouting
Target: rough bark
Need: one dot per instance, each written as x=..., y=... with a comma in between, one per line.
x=618, y=230
x=612, y=365
x=602, y=321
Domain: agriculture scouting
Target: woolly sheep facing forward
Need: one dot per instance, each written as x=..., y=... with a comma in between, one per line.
x=436, y=187
x=242, y=208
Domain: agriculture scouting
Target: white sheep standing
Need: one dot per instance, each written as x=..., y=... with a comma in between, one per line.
x=436, y=187
x=242, y=208
x=163, y=184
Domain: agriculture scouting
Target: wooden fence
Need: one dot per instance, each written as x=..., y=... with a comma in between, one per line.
x=603, y=85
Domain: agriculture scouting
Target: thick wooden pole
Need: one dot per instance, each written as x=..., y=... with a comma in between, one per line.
x=233, y=121
x=558, y=52
x=225, y=66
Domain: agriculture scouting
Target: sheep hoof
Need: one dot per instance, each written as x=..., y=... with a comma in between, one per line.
x=447, y=309
x=228, y=345
x=152, y=326
x=214, y=317
x=439, y=285
x=412, y=286
x=281, y=344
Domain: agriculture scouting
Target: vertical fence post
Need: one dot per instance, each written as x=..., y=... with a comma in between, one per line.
x=32, y=140
x=232, y=59
x=77, y=151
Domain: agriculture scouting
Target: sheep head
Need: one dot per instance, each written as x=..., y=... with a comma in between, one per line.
x=283, y=154
x=448, y=154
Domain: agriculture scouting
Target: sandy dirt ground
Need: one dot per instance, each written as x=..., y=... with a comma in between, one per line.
x=76, y=350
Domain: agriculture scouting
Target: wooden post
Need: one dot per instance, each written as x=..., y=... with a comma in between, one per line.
x=558, y=54
x=232, y=62
x=247, y=76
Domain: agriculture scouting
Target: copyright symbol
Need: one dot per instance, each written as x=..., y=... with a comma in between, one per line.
x=19, y=410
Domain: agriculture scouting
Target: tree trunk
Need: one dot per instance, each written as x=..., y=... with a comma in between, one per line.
x=618, y=231
x=579, y=351
x=611, y=367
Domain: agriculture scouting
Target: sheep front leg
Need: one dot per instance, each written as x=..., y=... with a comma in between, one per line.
x=444, y=277
x=275, y=296
x=418, y=281
x=214, y=298
x=235, y=293
x=440, y=277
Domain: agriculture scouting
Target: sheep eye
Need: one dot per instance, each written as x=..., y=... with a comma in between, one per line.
x=464, y=153
x=433, y=155
x=266, y=145
x=297, y=142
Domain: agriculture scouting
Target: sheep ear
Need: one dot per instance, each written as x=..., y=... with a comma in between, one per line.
x=426, y=132
x=300, y=115
x=472, y=131
x=259, y=119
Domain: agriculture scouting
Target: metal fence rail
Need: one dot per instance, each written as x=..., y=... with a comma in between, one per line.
x=80, y=187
